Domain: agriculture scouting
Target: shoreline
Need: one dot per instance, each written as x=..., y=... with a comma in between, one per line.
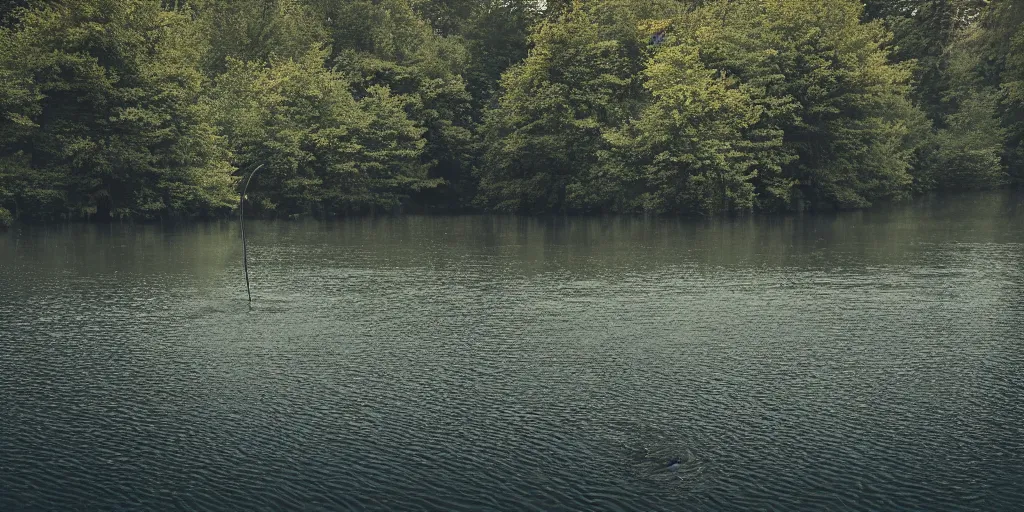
x=1011, y=192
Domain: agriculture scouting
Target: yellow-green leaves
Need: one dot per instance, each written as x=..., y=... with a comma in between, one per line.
x=546, y=134
x=106, y=114
x=325, y=152
x=742, y=103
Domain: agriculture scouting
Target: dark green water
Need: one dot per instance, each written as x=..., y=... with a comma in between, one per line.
x=862, y=361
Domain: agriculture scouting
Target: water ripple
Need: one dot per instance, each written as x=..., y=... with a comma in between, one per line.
x=395, y=369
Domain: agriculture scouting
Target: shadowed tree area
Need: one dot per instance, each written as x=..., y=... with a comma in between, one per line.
x=146, y=108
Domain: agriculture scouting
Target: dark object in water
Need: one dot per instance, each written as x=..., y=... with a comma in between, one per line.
x=673, y=464
x=241, y=223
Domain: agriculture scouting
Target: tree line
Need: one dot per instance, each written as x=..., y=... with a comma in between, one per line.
x=153, y=108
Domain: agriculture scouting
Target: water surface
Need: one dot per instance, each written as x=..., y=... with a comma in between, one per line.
x=858, y=361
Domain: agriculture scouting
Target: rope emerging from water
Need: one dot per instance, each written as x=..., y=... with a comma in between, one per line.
x=241, y=224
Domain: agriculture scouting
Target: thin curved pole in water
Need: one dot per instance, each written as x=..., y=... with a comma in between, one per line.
x=241, y=223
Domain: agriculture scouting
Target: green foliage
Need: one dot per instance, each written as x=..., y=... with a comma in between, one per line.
x=689, y=150
x=386, y=31
x=447, y=17
x=842, y=106
x=145, y=108
x=923, y=31
x=6, y=219
x=546, y=131
x=386, y=44
x=102, y=115
x=968, y=150
x=257, y=30
x=790, y=102
x=1005, y=25
x=496, y=37
x=967, y=55
x=9, y=11
x=968, y=147
x=325, y=152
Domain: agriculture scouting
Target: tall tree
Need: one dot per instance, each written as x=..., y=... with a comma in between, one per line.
x=547, y=130
x=831, y=89
x=689, y=150
x=982, y=127
x=497, y=37
x=103, y=116
x=1004, y=24
x=923, y=31
x=386, y=44
x=968, y=147
x=326, y=152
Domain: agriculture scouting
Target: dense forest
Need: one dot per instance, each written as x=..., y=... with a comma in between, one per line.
x=151, y=109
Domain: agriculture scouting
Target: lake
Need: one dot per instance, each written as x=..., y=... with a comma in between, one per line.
x=866, y=360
